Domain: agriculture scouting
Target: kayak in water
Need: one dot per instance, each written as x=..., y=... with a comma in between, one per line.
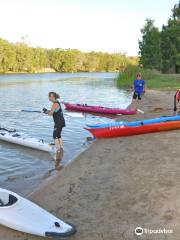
x=23, y=215
x=97, y=109
x=122, y=131
x=136, y=123
x=12, y=136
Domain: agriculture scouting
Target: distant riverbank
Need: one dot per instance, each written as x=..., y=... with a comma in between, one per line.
x=43, y=70
x=51, y=70
x=20, y=57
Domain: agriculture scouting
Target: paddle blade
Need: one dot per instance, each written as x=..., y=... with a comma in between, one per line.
x=74, y=114
x=140, y=111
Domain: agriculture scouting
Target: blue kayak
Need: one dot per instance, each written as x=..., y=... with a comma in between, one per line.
x=136, y=123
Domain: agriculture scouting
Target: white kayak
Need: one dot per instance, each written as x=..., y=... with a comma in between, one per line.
x=23, y=215
x=20, y=139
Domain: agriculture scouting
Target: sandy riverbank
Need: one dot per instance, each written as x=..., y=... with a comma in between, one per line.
x=119, y=184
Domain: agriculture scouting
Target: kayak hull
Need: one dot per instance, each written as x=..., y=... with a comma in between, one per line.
x=97, y=109
x=136, y=123
x=122, y=131
x=26, y=142
x=25, y=216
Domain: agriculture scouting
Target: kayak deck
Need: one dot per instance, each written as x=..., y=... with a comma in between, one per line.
x=23, y=215
x=122, y=131
x=22, y=140
x=136, y=123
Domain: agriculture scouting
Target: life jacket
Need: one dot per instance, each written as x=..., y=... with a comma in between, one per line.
x=58, y=116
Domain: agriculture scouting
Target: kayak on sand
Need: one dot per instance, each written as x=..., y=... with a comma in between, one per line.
x=97, y=109
x=12, y=136
x=136, y=123
x=23, y=215
x=122, y=131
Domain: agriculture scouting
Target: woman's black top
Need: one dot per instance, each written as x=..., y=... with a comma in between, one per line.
x=58, y=117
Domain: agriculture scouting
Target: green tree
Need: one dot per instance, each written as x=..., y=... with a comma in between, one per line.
x=170, y=45
x=7, y=56
x=40, y=58
x=20, y=57
x=91, y=62
x=24, y=57
x=160, y=50
x=150, y=46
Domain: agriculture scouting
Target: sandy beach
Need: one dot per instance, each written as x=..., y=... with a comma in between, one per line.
x=119, y=184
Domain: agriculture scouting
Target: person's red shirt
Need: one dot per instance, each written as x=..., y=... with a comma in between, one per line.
x=177, y=95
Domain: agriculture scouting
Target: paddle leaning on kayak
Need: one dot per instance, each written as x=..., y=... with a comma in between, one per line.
x=59, y=122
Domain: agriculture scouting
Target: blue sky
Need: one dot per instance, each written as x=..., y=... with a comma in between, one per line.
x=99, y=25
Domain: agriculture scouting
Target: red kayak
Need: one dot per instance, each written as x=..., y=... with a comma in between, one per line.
x=97, y=109
x=122, y=131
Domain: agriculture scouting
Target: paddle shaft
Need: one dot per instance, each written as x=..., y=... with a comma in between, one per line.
x=140, y=111
x=37, y=111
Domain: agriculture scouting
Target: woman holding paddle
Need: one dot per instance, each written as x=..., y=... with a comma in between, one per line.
x=59, y=122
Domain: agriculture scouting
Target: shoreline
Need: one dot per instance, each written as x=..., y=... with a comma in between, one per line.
x=118, y=184
x=52, y=71
x=52, y=178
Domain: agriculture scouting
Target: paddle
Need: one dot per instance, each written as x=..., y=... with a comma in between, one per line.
x=140, y=111
x=70, y=114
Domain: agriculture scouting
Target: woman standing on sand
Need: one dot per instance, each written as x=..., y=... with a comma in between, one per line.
x=59, y=122
x=138, y=88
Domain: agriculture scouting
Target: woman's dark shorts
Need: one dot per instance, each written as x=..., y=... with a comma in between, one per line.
x=136, y=95
x=57, y=132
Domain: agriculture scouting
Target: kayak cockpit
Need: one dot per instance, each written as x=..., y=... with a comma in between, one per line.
x=7, y=199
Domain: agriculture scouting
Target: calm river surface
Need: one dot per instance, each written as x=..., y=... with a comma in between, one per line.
x=22, y=169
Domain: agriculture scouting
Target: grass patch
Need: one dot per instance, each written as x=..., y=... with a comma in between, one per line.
x=154, y=79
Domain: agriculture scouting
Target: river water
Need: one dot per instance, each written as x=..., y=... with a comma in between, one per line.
x=23, y=169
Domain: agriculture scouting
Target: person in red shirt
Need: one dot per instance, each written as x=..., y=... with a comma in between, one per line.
x=176, y=100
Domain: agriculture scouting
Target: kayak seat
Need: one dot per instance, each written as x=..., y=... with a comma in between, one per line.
x=4, y=198
x=1, y=203
x=7, y=199
x=12, y=200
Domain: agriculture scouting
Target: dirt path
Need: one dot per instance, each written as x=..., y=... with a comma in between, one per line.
x=118, y=185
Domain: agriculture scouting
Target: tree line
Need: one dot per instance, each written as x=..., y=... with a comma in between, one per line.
x=160, y=49
x=20, y=57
